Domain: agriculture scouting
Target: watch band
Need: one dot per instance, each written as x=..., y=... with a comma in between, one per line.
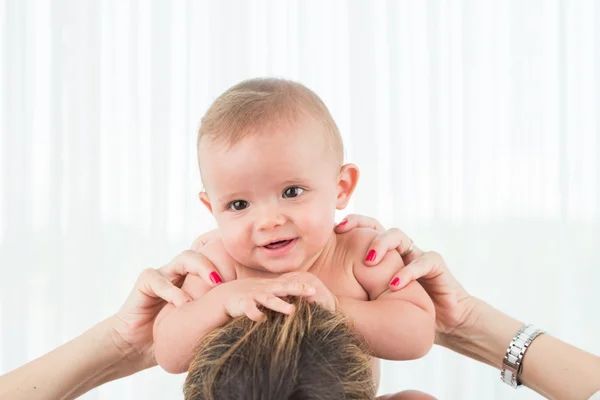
x=512, y=364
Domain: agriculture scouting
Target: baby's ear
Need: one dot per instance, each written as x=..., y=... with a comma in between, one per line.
x=347, y=180
x=205, y=200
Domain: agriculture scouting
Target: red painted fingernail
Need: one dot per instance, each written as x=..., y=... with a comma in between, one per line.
x=215, y=278
x=395, y=281
x=371, y=255
x=343, y=222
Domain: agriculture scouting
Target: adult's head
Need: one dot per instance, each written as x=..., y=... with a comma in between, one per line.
x=312, y=354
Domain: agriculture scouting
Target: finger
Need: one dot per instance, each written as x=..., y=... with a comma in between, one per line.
x=201, y=240
x=252, y=312
x=328, y=305
x=291, y=287
x=153, y=284
x=274, y=303
x=414, y=254
x=423, y=266
x=358, y=221
x=191, y=262
x=391, y=239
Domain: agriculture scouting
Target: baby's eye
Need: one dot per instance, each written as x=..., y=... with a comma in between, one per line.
x=238, y=205
x=292, y=192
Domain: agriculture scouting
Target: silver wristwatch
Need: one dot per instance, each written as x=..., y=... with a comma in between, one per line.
x=513, y=360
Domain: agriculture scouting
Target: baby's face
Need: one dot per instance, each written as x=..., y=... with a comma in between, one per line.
x=273, y=194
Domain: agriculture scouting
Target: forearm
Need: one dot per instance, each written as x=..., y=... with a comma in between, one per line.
x=551, y=367
x=74, y=368
x=177, y=334
x=393, y=329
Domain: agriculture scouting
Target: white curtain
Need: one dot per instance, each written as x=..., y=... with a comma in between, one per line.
x=473, y=122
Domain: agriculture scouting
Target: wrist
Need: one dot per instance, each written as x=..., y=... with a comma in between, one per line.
x=128, y=357
x=119, y=358
x=99, y=361
x=484, y=335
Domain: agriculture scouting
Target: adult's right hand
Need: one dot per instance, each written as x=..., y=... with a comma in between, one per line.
x=453, y=304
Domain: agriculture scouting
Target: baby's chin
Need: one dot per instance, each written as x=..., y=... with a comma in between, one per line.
x=277, y=266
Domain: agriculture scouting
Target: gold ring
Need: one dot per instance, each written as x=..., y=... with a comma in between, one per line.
x=409, y=250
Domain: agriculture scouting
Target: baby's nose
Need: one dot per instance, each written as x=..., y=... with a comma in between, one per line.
x=270, y=218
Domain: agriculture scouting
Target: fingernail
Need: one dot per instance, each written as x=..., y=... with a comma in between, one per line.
x=215, y=278
x=343, y=222
x=371, y=255
x=395, y=281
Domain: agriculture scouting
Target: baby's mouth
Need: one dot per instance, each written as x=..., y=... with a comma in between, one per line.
x=278, y=244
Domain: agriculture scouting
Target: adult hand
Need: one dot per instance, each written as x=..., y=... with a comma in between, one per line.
x=133, y=324
x=453, y=304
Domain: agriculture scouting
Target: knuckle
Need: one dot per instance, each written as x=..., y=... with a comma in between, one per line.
x=187, y=253
x=411, y=265
x=404, y=244
x=286, y=283
x=376, y=242
x=148, y=275
x=241, y=303
x=291, y=283
x=163, y=282
x=435, y=255
x=148, y=272
x=395, y=232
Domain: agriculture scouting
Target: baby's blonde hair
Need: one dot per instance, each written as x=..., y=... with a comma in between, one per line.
x=255, y=103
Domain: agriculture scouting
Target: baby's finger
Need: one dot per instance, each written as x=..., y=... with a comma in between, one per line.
x=252, y=311
x=274, y=303
x=291, y=287
x=201, y=240
x=191, y=262
x=153, y=284
x=328, y=304
x=358, y=221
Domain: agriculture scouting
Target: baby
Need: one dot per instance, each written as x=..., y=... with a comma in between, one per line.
x=271, y=160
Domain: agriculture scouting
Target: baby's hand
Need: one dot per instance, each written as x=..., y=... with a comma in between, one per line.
x=245, y=295
x=323, y=295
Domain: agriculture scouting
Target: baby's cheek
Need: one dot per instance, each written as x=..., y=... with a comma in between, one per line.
x=236, y=243
x=319, y=223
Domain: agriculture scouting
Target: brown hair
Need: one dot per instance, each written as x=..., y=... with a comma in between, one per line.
x=312, y=354
x=252, y=104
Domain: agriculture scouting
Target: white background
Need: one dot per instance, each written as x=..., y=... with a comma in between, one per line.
x=473, y=122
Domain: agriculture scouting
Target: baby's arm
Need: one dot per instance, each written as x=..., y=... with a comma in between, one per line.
x=177, y=330
x=397, y=325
